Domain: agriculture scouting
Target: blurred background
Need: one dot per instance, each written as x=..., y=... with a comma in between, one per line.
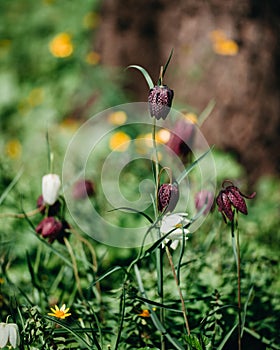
x=63, y=61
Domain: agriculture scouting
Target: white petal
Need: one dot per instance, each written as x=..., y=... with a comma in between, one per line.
x=4, y=334
x=169, y=223
x=50, y=188
x=174, y=244
x=13, y=335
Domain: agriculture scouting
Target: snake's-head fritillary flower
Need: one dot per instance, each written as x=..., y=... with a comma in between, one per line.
x=230, y=198
x=9, y=335
x=168, y=196
x=160, y=100
x=204, y=198
x=83, y=189
x=53, y=229
x=49, y=227
x=50, y=188
x=182, y=138
x=61, y=313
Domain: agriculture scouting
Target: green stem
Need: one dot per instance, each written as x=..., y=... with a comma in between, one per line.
x=184, y=310
x=239, y=289
x=155, y=160
x=159, y=266
x=159, y=255
x=236, y=251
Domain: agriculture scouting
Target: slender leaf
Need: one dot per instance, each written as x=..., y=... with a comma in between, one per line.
x=262, y=339
x=245, y=309
x=206, y=112
x=72, y=331
x=158, y=305
x=106, y=274
x=145, y=74
x=134, y=211
x=191, y=166
x=167, y=63
x=10, y=186
x=226, y=338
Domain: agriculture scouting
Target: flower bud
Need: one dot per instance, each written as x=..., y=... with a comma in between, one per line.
x=204, y=198
x=53, y=229
x=50, y=188
x=160, y=100
x=9, y=335
x=168, y=196
x=49, y=227
x=82, y=189
x=182, y=137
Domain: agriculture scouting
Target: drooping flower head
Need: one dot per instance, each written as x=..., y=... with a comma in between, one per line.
x=182, y=136
x=176, y=224
x=53, y=229
x=9, y=335
x=83, y=189
x=230, y=198
x=50, y=188
x=160, y=100
x=168, y=197
x=204, y=198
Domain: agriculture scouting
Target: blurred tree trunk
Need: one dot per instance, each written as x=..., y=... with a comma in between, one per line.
x=245, y=85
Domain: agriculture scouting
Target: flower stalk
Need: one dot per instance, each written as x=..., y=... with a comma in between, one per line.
x=230, y=201
x=184, y=310
x=236, y=250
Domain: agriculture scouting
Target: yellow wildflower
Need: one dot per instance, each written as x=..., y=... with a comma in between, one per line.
x=119, y=141
x=222, y=45
x=145, y=313
x=93, y=58
x=60, y=313
x=61, y=45
x=117, y=118
x=226, y=48
x=13, y=149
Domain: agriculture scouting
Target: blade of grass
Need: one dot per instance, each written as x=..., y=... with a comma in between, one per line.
x=10, y=186
x=134, y=211
x=191, y=166
x=227, y=336
x=206, y=112
x=145, y=74
x=72, y=331
x=245, y=309
x=167, y=63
